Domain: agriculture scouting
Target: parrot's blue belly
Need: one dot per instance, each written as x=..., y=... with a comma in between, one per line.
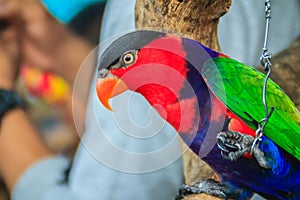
x=245, y=173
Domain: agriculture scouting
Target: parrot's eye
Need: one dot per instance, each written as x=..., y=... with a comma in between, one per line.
x=129, y=57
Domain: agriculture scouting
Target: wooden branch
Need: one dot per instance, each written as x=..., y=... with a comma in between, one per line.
x=196, y=19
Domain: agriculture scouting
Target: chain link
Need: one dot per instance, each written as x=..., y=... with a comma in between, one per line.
x=265, y=61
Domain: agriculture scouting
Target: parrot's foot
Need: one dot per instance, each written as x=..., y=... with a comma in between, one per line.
x=210, y=187
x=234, y=145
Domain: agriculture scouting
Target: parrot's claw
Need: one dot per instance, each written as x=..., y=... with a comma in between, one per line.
x=185, y=190
x=210, y=187
x=234, y=145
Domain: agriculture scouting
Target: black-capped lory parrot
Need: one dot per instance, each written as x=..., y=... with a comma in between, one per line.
x=215, y=104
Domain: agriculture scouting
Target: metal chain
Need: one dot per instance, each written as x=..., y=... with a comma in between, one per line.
x=265, y=61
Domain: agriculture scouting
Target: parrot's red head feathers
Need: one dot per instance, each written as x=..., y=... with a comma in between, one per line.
x=147, y=72
x=143, y=68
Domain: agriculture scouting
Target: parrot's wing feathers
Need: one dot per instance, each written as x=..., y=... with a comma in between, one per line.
x=240, y=88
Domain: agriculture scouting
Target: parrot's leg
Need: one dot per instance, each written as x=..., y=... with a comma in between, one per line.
x=261, y=158
x=234, y=145
x=214, y=188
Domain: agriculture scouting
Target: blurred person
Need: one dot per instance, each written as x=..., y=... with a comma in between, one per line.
x=50, y=93
x=29, y=169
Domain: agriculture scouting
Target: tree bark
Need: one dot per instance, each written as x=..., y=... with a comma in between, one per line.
x=196, y=19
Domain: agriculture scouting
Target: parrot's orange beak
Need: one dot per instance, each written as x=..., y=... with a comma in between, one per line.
x=108, y=88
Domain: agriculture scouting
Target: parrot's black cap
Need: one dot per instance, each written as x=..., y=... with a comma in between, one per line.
x=130, y=41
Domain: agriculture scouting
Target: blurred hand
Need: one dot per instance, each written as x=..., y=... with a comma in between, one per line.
x=48, y=44
x=9, y=44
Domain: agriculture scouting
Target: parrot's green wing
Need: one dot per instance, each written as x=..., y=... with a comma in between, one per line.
x=240, y=88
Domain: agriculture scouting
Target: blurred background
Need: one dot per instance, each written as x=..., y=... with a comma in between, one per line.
x=49, y=97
